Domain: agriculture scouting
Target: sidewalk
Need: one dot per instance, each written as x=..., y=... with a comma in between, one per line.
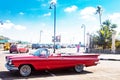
x=112, y=57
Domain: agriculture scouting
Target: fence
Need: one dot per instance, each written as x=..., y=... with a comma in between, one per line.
x=106, y=51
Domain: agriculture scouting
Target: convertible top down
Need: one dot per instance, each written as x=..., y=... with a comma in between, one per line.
x=42, y=59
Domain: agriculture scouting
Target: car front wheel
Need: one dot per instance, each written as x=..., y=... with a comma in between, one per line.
x=25, y=70
x=79, y=68
x=27, y=51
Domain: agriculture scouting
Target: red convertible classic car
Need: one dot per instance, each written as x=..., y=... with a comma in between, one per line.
x=43, y=60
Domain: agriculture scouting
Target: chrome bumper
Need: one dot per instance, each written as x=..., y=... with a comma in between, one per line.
x=11, y=67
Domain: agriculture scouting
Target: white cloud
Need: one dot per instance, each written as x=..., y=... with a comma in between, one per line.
x=53, y=1
x=9, y=25
x=115, y=16
x=44, y=5
x=88, y=13
x=21, y=13
x=71, y=9
x=19, y=27
x=43, y=24
x=47, y=14
x=8, y=21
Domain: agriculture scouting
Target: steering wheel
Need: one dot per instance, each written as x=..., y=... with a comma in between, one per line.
x=45, y=52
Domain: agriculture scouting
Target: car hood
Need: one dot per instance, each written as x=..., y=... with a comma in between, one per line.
x=26, y=56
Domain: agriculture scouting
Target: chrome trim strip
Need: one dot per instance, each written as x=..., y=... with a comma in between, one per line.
x=11, y=67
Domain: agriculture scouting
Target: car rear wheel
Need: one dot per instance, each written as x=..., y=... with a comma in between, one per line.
x=79, y=68
x=10, y=51
x=25, y=70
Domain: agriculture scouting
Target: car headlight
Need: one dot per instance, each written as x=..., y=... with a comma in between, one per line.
x=6, y=59
x=10, y=62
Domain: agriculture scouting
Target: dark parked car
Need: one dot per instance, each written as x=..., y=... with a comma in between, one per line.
x=36, y=46
x=13, y=48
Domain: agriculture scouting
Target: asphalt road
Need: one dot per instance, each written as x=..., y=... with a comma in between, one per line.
x=106, y=70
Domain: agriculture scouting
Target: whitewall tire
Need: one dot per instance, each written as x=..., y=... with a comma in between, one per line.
x=25, y=70
x=79, y=68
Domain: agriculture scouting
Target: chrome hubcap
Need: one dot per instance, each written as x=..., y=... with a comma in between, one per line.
x=25, y=70
x=79, y=68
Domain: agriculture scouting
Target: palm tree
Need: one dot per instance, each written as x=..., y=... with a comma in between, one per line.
x=105, y=33
x=111, y=26
x=99, y=11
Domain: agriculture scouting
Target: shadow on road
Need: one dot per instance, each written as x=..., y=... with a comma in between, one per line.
x=6, y=75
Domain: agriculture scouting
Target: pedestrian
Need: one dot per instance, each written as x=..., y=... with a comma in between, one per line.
x=78, y=48
x=87, y=48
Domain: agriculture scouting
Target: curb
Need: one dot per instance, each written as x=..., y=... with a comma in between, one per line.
x=110, y=59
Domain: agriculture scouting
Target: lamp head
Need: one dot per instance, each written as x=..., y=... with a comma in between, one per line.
x=50, y=7
x=1, y=22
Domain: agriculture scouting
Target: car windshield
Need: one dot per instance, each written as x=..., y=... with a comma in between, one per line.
x=13, y=46
x=41, y=52
x=20, y=46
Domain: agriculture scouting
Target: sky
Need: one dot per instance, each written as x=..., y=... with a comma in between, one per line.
x=25, y=20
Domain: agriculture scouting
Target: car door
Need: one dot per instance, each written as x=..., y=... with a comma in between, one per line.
x=55, y=62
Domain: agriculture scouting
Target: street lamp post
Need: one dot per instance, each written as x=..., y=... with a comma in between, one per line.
x=83, y=26
x=53, y=4
x=40, y=35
